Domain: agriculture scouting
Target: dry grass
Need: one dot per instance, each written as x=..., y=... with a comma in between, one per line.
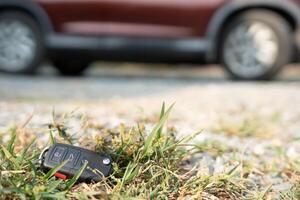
x=151, y=164
x=249, y=125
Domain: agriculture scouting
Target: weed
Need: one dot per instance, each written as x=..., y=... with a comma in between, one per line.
x=146, y=166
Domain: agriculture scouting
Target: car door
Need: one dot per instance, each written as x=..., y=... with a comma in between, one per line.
x=160, y=18
x=138, y=18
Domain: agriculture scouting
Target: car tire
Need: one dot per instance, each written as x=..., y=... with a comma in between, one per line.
x=256, y=45
x=21, y=43
x=71, y=68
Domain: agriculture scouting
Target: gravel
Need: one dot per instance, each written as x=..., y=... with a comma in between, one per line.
x=267, y=114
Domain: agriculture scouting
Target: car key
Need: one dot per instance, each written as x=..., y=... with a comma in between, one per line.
x=98, y=164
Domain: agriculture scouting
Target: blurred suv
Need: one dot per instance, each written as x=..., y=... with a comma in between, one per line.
x=252, y=39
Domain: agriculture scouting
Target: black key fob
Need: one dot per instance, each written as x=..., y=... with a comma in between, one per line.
x=98, y=164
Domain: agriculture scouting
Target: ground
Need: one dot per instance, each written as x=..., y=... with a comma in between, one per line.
x=253, y=126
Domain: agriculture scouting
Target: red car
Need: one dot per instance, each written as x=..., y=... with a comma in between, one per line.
x=252, y=39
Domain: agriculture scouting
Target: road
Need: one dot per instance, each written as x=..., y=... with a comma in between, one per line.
x=124, y=80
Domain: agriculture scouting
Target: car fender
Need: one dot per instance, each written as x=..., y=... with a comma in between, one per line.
x=33, y=9
x=234, y=6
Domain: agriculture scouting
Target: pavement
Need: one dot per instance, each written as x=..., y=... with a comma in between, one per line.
x=109, y=80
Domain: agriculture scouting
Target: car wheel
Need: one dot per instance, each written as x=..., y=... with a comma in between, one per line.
x=71, y=68
x=256, y=45
x=21, y=43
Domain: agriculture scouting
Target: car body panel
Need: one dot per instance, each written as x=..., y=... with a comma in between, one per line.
x=141, y=29
x=143, y=18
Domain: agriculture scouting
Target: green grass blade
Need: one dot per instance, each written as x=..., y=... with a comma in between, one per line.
x=130, y=172
x=24, y=152
x=52, y=139
x=233, y=170
x=162, y=113
x=72, y=181
x=153, y=193
x=33, y=169
x=155, y=131
x=55, y=169
x=57, y=195
x=182, y=141
x=53, y=185
x=10, y=157
x=264, y=194
x=11, y=142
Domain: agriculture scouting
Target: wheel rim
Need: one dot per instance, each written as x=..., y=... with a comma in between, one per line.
x=251, y=49
x=17, y=45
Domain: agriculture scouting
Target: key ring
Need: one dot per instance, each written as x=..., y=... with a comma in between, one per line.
x=41, y=156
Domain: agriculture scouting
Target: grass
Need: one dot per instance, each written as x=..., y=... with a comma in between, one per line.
x=147, y=165
x=213, y=147
x=251, y=125
x=293, y=193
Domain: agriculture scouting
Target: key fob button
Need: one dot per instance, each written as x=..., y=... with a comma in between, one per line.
x=72, y=156
x=58, y=154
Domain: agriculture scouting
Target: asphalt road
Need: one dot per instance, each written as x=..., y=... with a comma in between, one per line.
x=109, y=80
